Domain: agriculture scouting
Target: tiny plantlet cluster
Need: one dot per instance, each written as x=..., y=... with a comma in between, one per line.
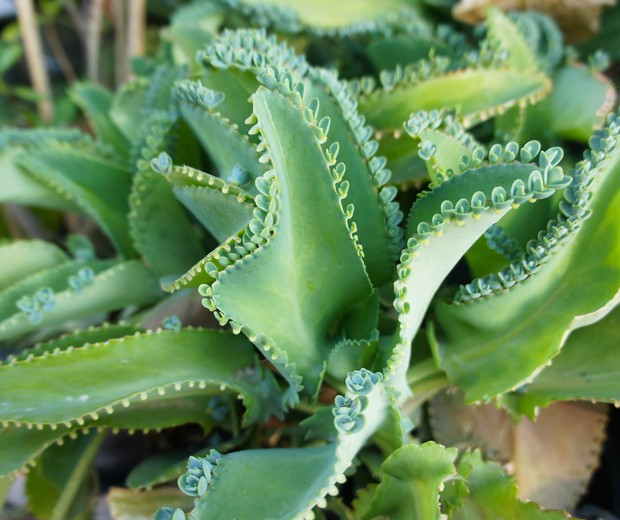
x=373, y=262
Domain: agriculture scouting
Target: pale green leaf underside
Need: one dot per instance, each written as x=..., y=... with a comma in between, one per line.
x=465, y=185
x=424, y=266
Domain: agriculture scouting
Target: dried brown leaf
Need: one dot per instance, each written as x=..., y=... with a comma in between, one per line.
x=552, y=458
x=579, y=19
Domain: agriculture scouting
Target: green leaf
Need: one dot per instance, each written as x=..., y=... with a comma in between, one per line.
x=18, y=446
x=307, y=294
x=477, y=94
x=127, y=108
x=488, y=494
x=18, y=187
x=274, y=483
x=571, y=281
x=96, y=103
x=58, y=487
x=327, y=15
x=9, y=56
x=21, y=258
x=443, y=224
x=191, y=26
x=388, y=52
x=586, y=368
x=411, y=479
x=194, y=359
x=257, y=478
x=76, y=339
x=377, y=223
x=73, y=290
x=576, y=116
x=221, y=139
x=506, y=33
x=102, y=194
x=176, y=245
x=222, y=207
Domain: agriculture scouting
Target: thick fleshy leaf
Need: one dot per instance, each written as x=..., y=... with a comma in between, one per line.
x=576, y=117
x=586, y=368
x=488, y=494
x=194, y=359
x=73, y=290
x=503, y=31
x=127, y=108
x=476, y=94
x=257, y=477
x=92, y=180
x=327, y=15
x=221, y=139
x=306, y=296
x=153, y=206
x=568, y=278
x=377, y=224
x=221, y=206
x=18, y=187
x=411, y=479
x=191, y=27
x=443, y=224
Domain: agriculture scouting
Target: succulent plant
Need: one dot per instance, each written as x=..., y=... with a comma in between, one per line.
x=260, y=185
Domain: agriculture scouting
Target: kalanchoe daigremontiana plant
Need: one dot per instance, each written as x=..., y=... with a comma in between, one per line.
x=261, y=188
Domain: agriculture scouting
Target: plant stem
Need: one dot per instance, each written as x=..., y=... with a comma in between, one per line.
x=34, y=57
x=93, y=37
x=136, y=28
x=121, y=59
x=59, y=53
